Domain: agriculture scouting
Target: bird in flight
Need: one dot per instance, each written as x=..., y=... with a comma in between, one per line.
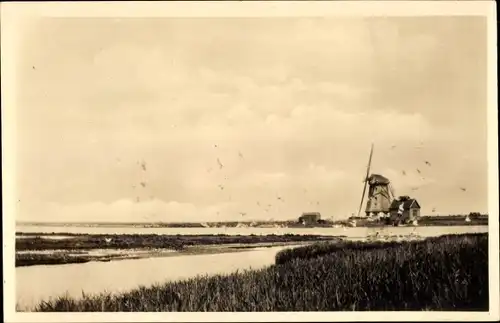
x=404, y=173
x=219, y=162
x=418, y=170
x=221, y=187
x=240, y=154
x=143, y=165
x=463, y=189
x=143, y=184
x=428, y=163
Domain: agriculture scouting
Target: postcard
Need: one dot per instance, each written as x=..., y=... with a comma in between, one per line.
x=249, y=161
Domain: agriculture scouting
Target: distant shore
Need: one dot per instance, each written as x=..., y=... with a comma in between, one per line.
x=50, y=245
x=427, y=220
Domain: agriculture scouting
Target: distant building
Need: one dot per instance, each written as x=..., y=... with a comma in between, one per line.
x=404, y=210
x=308, y=218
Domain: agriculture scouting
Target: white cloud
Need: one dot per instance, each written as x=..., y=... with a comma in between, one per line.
x=286, y=94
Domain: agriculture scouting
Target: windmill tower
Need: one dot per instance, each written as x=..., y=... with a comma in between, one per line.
x=380, y=192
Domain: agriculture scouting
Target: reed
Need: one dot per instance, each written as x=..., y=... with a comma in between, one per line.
x=445, y=273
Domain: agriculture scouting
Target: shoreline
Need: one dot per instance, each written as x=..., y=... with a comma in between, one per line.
x=43, y=257
x=38, y=248
x=337, y=265
x=360, y=224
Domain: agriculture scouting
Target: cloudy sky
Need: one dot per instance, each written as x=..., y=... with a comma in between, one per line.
x=201, y=119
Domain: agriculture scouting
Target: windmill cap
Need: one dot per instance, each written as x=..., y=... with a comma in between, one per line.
x=378, y=179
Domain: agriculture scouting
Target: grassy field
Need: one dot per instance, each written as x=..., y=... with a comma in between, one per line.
x=131, y=241
x=51, y=259
x=444, y=273
x=81, y=242
x=450, y=220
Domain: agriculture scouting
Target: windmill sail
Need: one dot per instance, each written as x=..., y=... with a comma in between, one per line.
x=393, y=194
x=366, y=180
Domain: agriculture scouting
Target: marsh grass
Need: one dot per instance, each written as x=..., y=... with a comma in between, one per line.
x=445, y=273
x=84, y=242
x=35, y=241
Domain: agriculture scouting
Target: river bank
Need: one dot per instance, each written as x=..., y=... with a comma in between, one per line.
x=356, y=276
x=51, y=249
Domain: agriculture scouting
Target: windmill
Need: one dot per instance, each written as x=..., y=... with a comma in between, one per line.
x=380, y=192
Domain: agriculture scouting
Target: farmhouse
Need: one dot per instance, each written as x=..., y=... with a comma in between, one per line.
x=404, y=210
x=309, y=218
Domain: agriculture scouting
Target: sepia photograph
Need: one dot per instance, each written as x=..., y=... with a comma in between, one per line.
x=232, y=157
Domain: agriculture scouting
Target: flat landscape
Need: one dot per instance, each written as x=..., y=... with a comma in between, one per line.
x=244, y=162
x=45, y=249
x=326, y=276
x=61, y=270
x=51, y=244
x=426, y=220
